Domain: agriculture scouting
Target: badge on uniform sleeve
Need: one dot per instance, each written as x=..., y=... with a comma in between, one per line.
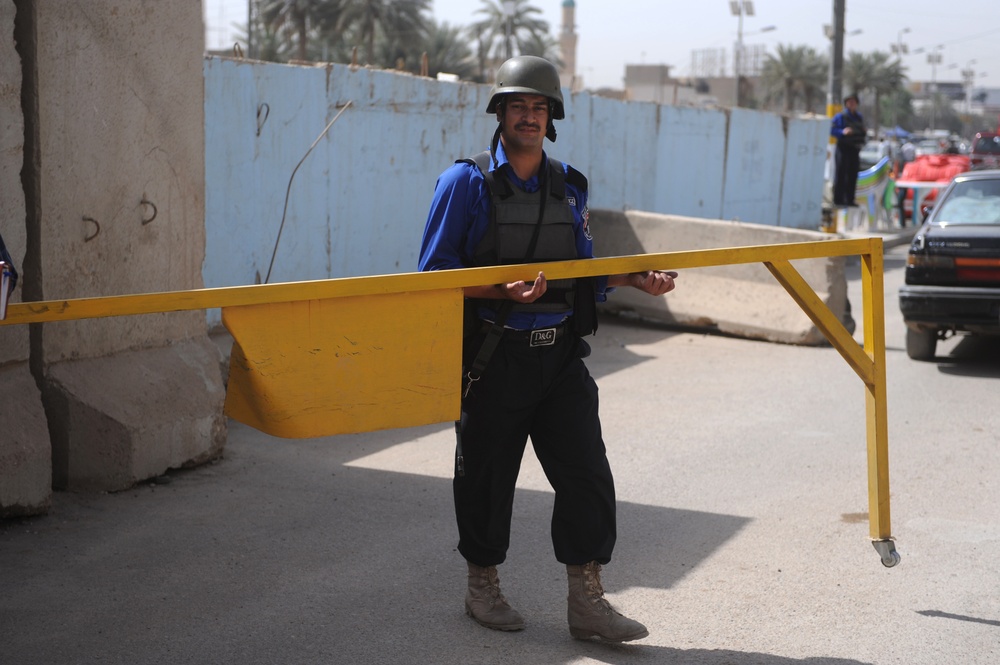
x=586, y=223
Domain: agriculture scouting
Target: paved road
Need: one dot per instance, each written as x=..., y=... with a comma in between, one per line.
x=741, y=474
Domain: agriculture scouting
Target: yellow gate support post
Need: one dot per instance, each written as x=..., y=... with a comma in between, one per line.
x=328, y=357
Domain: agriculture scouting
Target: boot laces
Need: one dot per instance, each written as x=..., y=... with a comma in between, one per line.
x=493, y=586
x=594, y=588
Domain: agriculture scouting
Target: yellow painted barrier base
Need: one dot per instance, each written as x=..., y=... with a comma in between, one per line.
x=356, y=364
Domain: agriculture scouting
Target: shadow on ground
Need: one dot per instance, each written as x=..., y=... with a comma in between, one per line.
x=280, y=553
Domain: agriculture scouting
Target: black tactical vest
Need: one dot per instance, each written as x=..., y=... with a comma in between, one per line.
x=513, y=220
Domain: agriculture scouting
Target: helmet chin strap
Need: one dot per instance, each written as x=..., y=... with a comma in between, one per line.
x=550, y=131
x=493, y=145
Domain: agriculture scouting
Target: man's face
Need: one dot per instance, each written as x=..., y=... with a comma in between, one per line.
x=524, y=119
x=851, y=104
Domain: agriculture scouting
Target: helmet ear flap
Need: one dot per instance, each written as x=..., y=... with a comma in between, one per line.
x=550, y=131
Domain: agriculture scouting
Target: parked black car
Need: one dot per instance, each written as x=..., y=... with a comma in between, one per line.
x=953, y=268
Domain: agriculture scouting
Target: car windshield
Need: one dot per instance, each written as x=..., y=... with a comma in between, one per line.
x=988, y=144
x=971, y=202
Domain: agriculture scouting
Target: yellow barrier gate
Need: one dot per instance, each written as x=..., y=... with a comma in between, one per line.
x=331, y=356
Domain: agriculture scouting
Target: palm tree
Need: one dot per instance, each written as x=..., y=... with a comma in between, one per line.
x=543, y=45
x=298, y=20
x=400, y=21
x=447, y=52
x=876, y=72
x=500, y=35
x=889, y=77
x=814, y=82
x=796, y=71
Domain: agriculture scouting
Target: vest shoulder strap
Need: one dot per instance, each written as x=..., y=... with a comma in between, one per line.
x=482, y=162
x=559, y=175
x=576, y=178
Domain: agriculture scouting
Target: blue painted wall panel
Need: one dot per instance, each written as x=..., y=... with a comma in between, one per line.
x=359, y=201
x=606, y=164
x=640, y=157
x=691, y=149
x=754, y=153
x=805, y=160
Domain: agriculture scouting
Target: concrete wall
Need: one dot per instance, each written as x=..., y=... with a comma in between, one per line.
x=123, y=146
x=744, y=299
x=358, y=202
x=113, y=203
x=25, y=453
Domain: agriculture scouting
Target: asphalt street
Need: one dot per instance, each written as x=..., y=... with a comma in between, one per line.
x=741, y=473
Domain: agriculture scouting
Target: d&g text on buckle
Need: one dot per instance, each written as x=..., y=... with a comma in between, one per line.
x=542, y=337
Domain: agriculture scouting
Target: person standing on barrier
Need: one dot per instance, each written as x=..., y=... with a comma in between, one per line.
x=524, y=374
x=848, y=127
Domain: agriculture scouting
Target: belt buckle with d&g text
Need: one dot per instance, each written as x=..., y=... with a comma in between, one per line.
x=542, y=337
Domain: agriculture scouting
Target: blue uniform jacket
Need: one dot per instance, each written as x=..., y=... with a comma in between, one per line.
x=459, y=217
x=842, y=120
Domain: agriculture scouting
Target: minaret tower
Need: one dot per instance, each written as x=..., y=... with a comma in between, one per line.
x=567, y=47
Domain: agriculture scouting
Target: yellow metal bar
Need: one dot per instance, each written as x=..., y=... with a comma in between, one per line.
x=823, y=318
x=177, y=301
x=876, y=407
x=332, y=333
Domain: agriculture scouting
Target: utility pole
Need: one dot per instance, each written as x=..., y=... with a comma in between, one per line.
x=739, y=8
x=836, y=83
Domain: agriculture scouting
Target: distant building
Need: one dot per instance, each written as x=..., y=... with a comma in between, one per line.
x=653, y=83
x=953, y=90
x=986, y=101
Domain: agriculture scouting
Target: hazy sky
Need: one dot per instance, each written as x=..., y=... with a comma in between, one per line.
x=613, y=33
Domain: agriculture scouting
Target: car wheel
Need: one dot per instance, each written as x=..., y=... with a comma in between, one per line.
x=920, y=344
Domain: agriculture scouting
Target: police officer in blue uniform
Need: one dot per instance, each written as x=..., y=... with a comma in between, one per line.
x=848, y=128
x=523, y=353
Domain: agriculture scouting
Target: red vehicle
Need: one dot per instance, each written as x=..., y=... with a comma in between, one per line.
x=985, y=153
x=930, y=168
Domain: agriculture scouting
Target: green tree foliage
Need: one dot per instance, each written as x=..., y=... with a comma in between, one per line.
x=444, y=46
x=398, y=21
x=394, y=34
x=873, y=72
x=498, y=35
x=796, y=75
x=448, y=52
x=332, y=29
x=292, y=25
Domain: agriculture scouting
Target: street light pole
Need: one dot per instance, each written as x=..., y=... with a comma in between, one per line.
x=738, y=8
x=968, y=76
x=934, y=59
x=900, y=49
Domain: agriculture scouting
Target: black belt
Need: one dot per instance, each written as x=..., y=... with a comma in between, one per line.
x=536, y=337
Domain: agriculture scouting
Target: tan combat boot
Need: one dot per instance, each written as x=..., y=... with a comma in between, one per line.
x=590, y=615
x=485, y=603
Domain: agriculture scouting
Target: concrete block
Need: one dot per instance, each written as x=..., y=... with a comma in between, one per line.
x=743, y=300
x=122, y=419
x=25, y=451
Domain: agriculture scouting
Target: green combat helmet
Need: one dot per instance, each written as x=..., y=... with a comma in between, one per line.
x=530, y=75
